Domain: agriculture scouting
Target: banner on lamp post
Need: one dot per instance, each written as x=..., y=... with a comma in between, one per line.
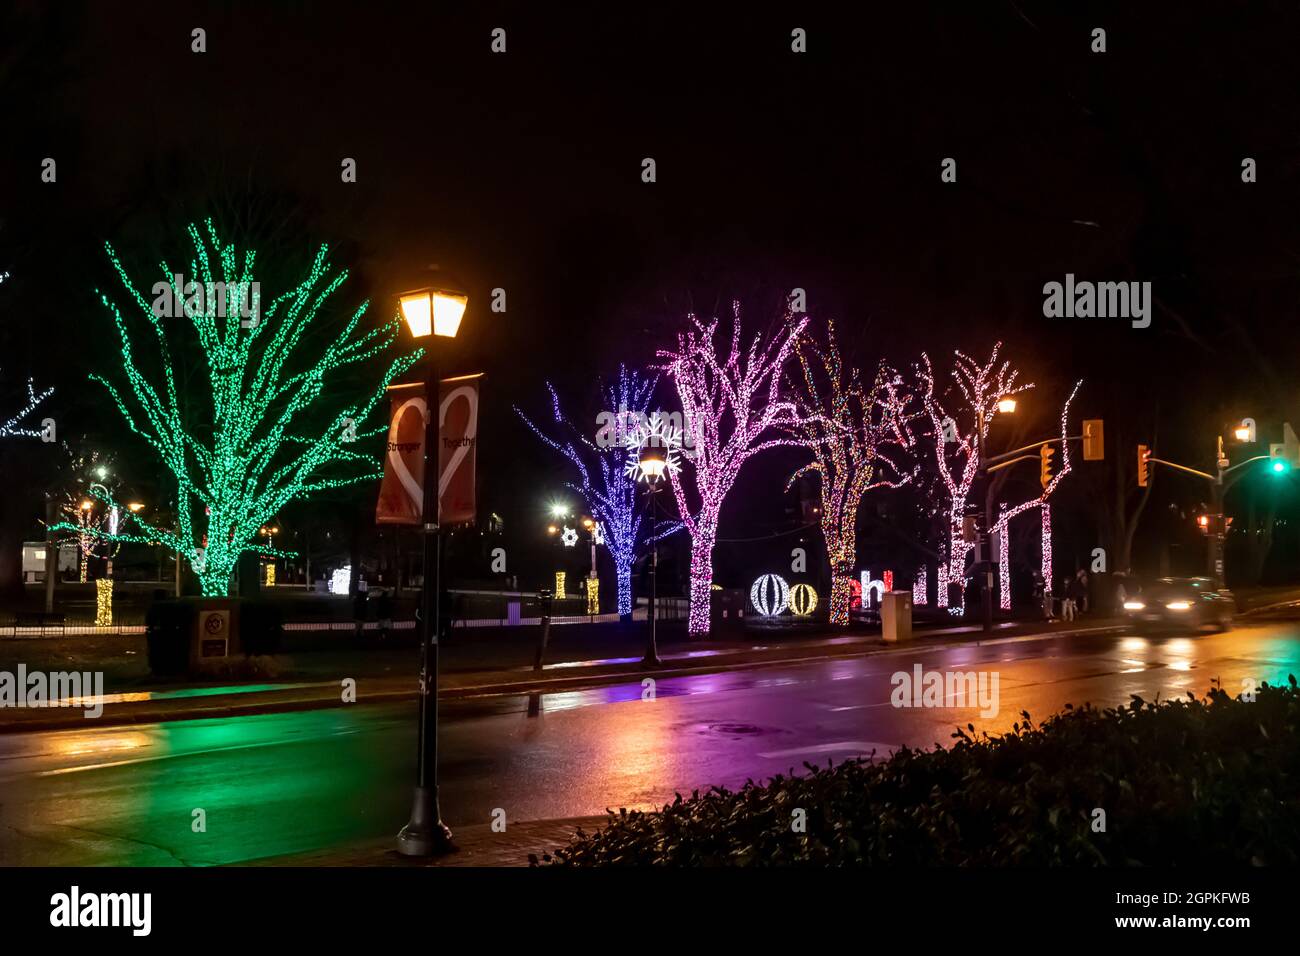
x=401, y=494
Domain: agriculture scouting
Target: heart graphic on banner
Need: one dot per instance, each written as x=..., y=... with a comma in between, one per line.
x=470, y=395
x=397, y=454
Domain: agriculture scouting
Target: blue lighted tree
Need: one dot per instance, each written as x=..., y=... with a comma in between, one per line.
x=601, y=464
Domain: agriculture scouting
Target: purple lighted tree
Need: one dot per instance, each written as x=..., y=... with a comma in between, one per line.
x=858, y=436
x=729, y=406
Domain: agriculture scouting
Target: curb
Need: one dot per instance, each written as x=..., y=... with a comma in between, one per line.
x=525, y=685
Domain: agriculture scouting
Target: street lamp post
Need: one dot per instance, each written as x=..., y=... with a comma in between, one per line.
x=653, y=464
x=429, y=312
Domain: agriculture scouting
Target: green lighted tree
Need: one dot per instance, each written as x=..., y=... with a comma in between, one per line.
x=273, y=412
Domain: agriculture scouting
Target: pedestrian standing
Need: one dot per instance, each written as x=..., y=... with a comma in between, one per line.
x=1067, y=599
x=360, y=609
x=383, y=614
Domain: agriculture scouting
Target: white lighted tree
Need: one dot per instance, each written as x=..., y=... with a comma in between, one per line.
x=957, y=434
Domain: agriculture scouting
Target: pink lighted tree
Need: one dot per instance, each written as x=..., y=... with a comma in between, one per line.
x=732, y=410
x=859, y=437
x=957, y=439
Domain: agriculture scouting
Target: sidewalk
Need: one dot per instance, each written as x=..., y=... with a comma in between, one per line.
x=476, y=845
x=397, y=682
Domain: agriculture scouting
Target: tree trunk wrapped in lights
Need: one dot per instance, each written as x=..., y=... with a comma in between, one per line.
x=957, y=445
x=267, y=418
x=730, y=403
x=857, y=436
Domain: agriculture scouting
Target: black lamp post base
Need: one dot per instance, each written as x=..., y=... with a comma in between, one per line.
x=425, y=834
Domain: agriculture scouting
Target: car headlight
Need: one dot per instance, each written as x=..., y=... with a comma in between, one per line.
x=1133, y=605
x=1179, y=605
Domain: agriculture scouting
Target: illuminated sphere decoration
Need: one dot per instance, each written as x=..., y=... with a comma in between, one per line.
x=770, y=595
x=803, y=600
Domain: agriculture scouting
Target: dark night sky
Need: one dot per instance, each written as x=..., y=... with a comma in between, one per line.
x=774, y=170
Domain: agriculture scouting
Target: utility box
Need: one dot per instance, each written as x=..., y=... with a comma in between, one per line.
x=896, y=616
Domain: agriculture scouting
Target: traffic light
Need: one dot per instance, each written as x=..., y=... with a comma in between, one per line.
x=1144, y=465
x=1094, y=442
x=1045, y=453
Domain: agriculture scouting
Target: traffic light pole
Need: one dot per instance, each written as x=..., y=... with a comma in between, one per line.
x=1217, y=524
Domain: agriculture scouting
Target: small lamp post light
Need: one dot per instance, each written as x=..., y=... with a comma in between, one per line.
x=653, y=464
x=1006, y=405
x=437, y=313
x=1245, y=432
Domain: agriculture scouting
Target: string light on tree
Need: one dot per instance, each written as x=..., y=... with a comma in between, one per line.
x=733, y=408
x=856, y=434
x=1003, y=526
x=983, y=390
x=269, y=417
x=608, y=492
x=12, y=427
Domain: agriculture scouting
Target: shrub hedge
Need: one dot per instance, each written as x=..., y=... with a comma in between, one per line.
x=1210, y=781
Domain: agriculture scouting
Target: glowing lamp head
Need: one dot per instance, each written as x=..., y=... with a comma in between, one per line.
x=559, y=509
x=1006, y=405
x=1241, y=433
x=653, y=464
x=136, y=507
x=433, y=312
x=1203, y=521
x=588, y=523
x=87, y=505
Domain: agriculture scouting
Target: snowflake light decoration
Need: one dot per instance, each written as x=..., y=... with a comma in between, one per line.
x=569, y=537
x=655, y=432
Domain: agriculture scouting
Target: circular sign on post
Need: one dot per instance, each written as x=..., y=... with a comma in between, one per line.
x=770, y=595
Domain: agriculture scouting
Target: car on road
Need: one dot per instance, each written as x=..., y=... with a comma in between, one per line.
x=1180, y=603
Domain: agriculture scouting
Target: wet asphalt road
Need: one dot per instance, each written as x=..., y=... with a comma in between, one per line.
x=284, y=783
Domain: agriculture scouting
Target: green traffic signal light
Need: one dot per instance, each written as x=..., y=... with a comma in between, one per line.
x=1280, y=466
